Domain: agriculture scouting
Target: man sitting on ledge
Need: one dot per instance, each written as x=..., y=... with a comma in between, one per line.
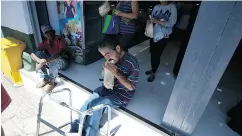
x=50, y=52
x=125, y=71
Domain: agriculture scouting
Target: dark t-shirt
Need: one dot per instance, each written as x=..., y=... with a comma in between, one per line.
x=69, y=13
x=59, y=44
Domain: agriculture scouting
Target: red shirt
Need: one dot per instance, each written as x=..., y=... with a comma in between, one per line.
x=5, y=99
x=59, y=44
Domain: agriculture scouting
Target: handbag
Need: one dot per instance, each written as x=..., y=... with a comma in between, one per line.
x=149, y=29
x=111, y=24
x=104, y=9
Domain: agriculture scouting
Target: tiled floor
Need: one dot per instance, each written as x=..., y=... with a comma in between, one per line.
x=20, y=117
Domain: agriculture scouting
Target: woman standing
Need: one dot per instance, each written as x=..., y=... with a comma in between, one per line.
x=164, y=15
x=128, y=11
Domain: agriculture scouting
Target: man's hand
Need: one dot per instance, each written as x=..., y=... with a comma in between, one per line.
x=39, y=66
x=42, y=61
x=113, y=68
x=162, y=22
x=153, y=20
x=117, y=13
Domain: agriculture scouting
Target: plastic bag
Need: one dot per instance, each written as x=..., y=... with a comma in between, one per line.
x=111, y=24
x=108, y=78
x=104, y=9
x=149, y=29
x=161, y=32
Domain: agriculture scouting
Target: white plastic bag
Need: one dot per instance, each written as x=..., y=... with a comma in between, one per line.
x=104, y=9
x=149, y=29
x=108, y=78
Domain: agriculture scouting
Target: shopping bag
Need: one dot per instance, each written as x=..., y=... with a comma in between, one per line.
x=104, y=9
x=111, y=24
x=149, y=29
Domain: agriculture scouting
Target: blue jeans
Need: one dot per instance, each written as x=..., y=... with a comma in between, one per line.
x=91, y=124
x=54, y=66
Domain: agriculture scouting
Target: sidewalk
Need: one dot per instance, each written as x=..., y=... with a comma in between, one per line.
x=20, y=118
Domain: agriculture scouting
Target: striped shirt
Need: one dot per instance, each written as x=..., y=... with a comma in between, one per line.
x=128, y=66
x=126, y=7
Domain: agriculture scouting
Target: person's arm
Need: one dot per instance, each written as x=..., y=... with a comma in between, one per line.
x=72, y=9
x=40, y=47
x=133, y=15
x=130, y=81
x=124, y=81
x=56, y=56
x=172, y=20
x=35, y=58
x=160, y=22
x=53, y=58
x=65, y=11
x=73, y=12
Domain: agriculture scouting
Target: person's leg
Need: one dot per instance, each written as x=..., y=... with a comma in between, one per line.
x=92, y=123
x=44, y=73
x=95, y=95
x=54, y=68
x=181, y=52
x=43, y=55
x=156, y=50
x=125, y=41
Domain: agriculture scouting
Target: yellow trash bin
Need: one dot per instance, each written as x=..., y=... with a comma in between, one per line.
x=12, y=58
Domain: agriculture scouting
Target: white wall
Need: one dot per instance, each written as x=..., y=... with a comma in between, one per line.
x=15, y=15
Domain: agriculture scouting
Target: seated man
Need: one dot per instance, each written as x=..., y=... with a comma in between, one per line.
x=125, y=72
x=50, y=52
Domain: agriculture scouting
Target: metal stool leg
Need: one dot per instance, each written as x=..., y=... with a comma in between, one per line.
x=70, y=100
x=39, y=113
x=89, y=112
x=39, y=119
x=82, y=114
x=109, y=119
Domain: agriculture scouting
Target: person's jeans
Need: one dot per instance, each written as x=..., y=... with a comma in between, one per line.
x=91, y=124
x=54, y=66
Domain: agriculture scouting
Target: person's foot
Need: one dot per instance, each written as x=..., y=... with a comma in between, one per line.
x=49, y=86
x=42, y=83
x=148, y=72
x=151, y=78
